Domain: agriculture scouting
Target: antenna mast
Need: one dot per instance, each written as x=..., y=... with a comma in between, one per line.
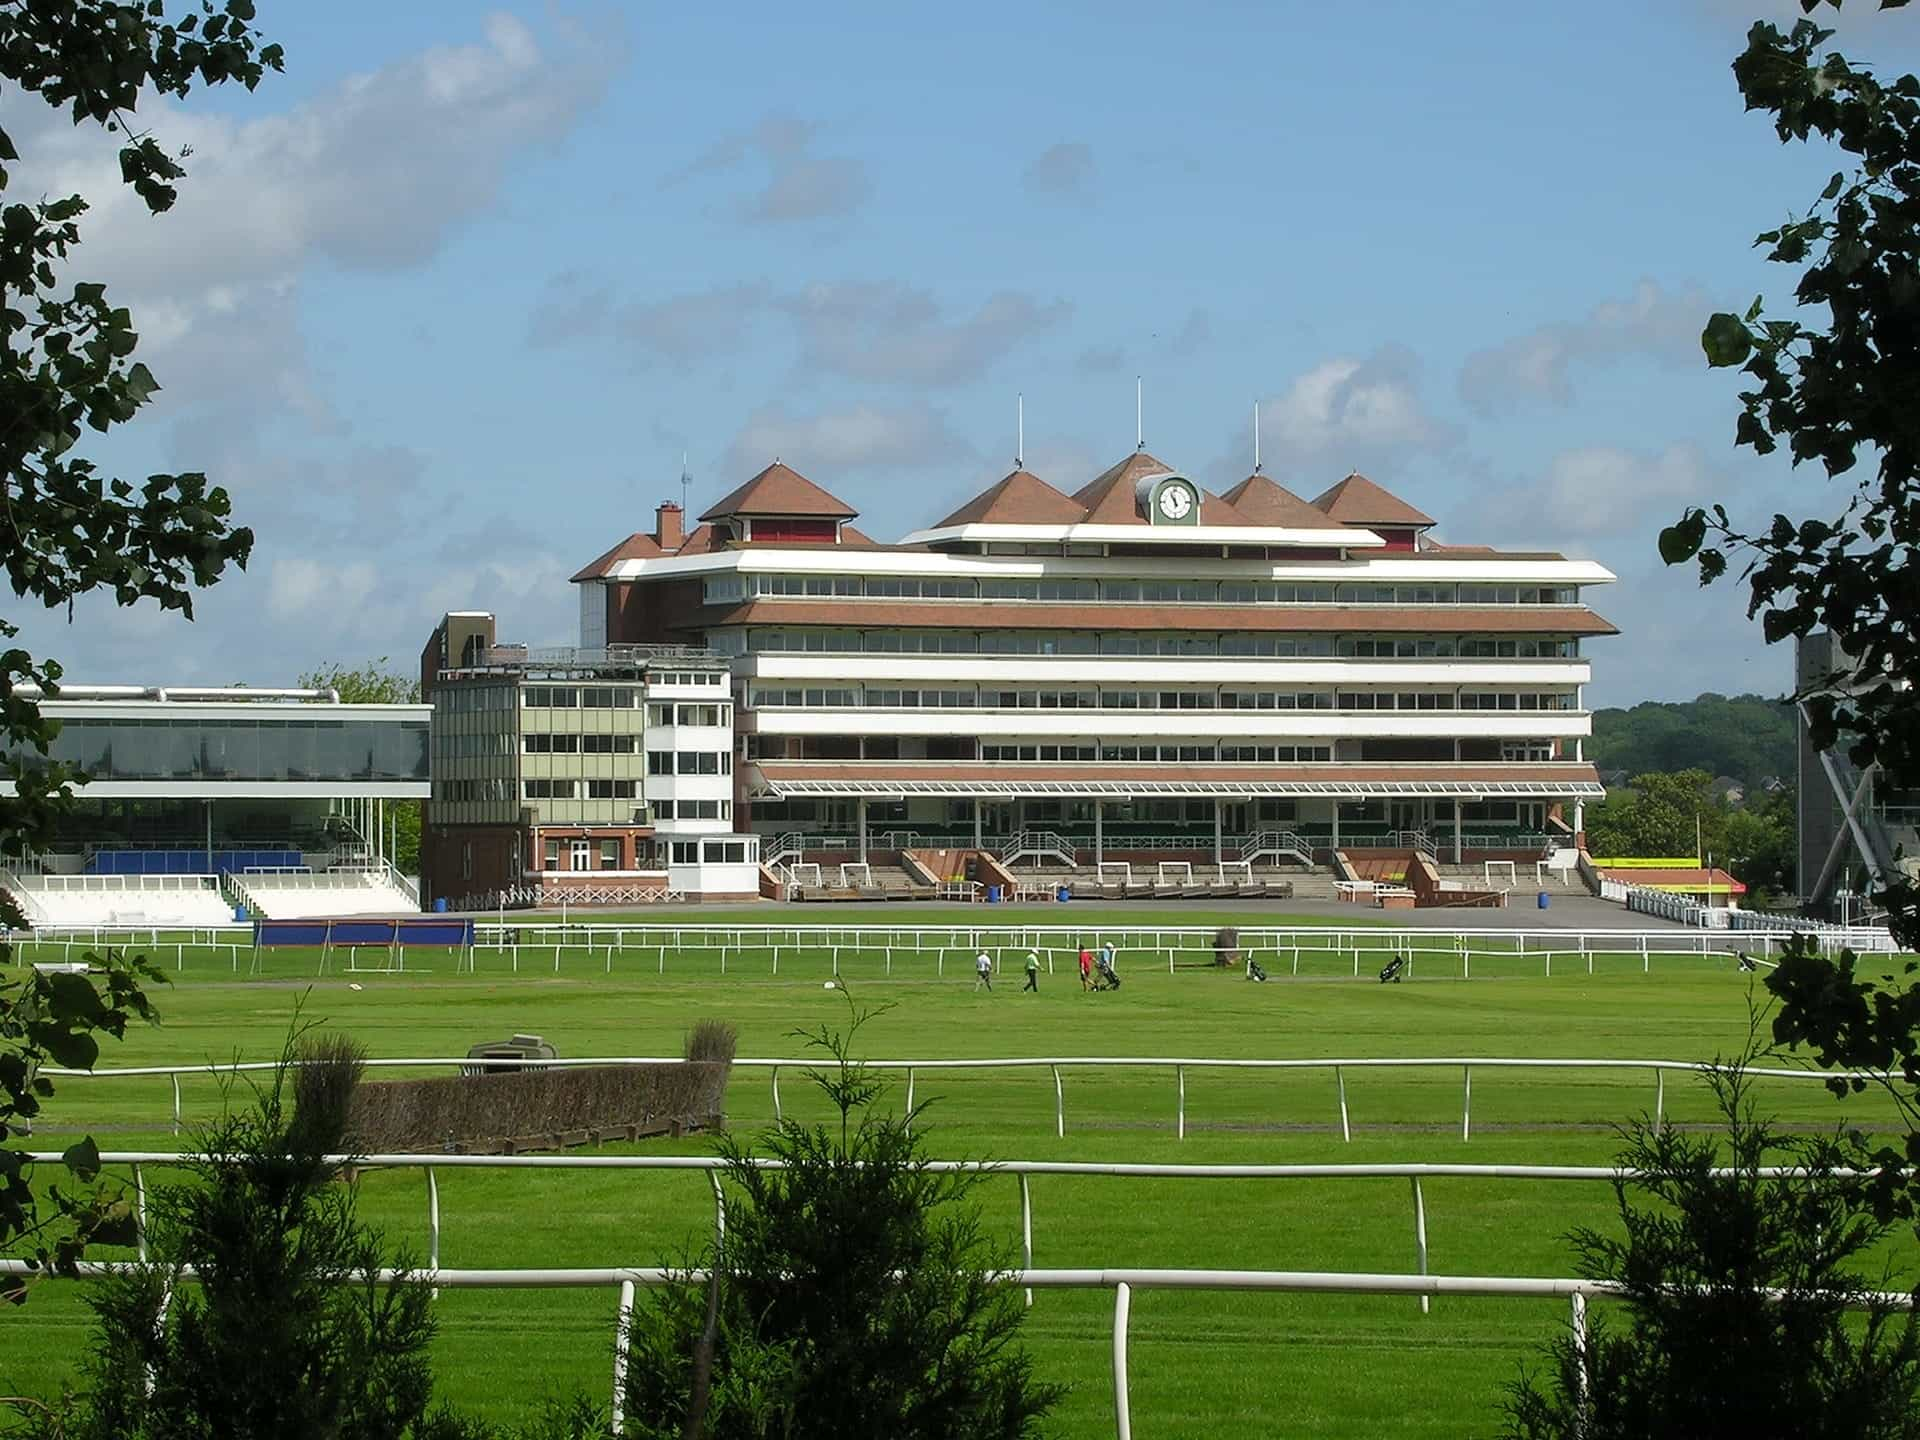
x=1019, y=431
x=1256, y=437
x=686, y=482
x=1139, y=415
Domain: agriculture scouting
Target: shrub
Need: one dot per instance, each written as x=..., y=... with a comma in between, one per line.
x=286, y=1331
x=1742, y=1305
x=713, y=1040
x=854, y=1294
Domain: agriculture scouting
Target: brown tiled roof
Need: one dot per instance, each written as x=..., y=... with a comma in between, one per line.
x=1548, y=773
x=1113, y=496
x=780, y=490
x=1683, y=878
x=1356, y=500
x=1023, y=498
x=1264, y=501
x=637, y=546
x=1027, y=615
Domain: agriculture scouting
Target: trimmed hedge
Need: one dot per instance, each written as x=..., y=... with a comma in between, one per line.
x=538, y=1108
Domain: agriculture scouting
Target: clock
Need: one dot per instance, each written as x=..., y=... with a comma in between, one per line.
x=1175, y=501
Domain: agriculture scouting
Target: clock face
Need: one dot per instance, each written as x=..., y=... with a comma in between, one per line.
x=1176, y=502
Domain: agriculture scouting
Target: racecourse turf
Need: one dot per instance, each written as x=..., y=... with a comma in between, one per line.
x=1201, y=1363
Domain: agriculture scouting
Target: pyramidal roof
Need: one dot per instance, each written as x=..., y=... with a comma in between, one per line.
x=780, y=490
x=1356, y=500
x=1022, y=498
x=637, y=546
x=1264, y=501
x=1113, y=496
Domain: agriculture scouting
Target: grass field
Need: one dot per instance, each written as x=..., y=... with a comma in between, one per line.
x=1201, y=1364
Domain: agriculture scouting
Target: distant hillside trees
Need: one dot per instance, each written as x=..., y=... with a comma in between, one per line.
x=1747, y=737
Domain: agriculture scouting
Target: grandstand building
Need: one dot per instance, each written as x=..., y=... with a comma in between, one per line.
x=1137, y=665
x=201, y=802
x=591, y=775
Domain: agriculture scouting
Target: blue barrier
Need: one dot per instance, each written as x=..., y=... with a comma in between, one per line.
x=189, y=862
x=357, y=931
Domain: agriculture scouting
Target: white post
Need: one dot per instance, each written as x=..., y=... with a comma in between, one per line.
x=1420, y=1235
x=1180, y=1075
x=1579, y=1318
x=1340, y=1079
x=1099, y=834
x=433, y=1223
x=776, y=1093
x=1026, y=1230
x=622, y=1336
x=1219, y=832
x=1122, y=1307
x=140, y=1208
x=1466, y=1105
x=1659, y=1095
x=175, y=1077
x=1456, y=831
x=1059, y=1105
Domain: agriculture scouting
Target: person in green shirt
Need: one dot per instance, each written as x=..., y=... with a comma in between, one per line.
x=1033, y=972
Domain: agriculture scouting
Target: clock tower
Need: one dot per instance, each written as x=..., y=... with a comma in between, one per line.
x=1170, y=499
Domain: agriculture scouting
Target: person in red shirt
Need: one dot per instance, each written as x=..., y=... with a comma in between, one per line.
x=1086, y=968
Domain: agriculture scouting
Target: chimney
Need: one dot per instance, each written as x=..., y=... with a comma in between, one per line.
x=669, y=526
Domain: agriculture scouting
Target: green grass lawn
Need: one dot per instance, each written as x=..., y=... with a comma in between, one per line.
x=1201, y=1363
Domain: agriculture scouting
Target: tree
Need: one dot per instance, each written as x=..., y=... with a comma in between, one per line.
x=55, y=1018
x=286, y=1332
x=376, y=683
x=855, y=1294
x=1834, y=392
x=1742, y=1297
x=1749, y=737
x=1656, y=817
x=66, y=530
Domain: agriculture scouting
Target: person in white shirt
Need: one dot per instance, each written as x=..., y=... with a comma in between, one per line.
x=983, y=971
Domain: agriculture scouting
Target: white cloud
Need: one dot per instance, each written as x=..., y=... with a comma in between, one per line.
x=1349, y=413
x=1538, y=366
x=371, y=174
x=818, y=445
x=799, y=184
x=1596, y=493
x=887, y=332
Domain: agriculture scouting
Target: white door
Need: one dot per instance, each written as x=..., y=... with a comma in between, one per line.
x=582, y=855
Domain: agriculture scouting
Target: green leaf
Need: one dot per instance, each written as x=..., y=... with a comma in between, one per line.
x=1682, y=540
x=1726, y=340
x=82, y=1158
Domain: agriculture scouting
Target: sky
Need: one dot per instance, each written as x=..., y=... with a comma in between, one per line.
x=444, y=305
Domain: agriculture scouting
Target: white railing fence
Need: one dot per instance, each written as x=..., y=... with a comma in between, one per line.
x=1054, y=1065
x=1123, y=1282
x=1443, y=953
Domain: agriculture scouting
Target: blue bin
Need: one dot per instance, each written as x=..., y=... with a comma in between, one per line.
x=1545, y=900
x=1063, y=894
x=440, y=905
x=240, y=912
x=993, y=894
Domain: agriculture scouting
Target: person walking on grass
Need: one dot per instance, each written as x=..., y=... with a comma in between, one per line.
x=1033, y=972
x=983, y=971
x=1086, y=967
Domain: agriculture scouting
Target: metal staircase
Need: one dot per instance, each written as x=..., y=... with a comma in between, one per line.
x=1277, y=845
x=1038, y=845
